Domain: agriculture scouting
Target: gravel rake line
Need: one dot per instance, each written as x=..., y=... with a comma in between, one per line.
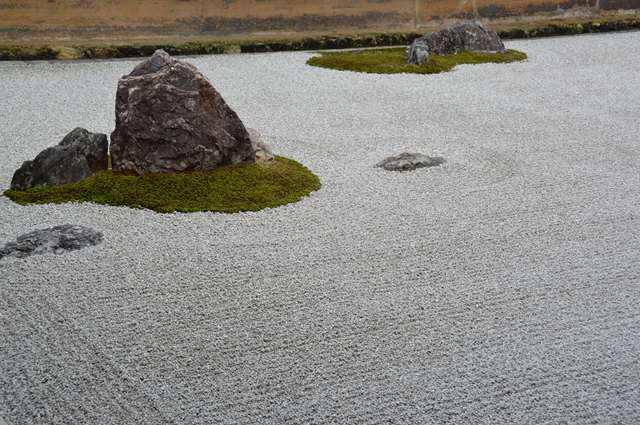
x=49, y=334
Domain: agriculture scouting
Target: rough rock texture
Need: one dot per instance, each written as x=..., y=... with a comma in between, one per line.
x=169, y=118
x=409, y=161
x=418, y=53
x=79, y=155
x=470, y=36
x=262, y=150
x=55, y=240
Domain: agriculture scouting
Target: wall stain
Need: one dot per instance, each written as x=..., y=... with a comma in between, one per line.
x=258, y=16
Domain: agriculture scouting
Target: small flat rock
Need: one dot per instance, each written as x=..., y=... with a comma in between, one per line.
x=54, y=240
x=409, y=161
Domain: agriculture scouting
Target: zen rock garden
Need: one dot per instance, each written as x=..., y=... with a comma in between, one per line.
x=441, y=51
x=169, y=118
x=446, y=232
x=172, y=122
x=177, y=146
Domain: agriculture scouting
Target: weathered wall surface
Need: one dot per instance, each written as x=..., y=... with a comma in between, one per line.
x=492, y=9
x=224, y=17
x=204, y=15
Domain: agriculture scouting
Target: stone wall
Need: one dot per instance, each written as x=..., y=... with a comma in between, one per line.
x=265, y=17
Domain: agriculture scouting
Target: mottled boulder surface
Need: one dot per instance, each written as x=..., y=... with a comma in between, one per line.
x=409, y=161
x=79, y=155
x=470, y=36
x=169, y=118
x=54, y=240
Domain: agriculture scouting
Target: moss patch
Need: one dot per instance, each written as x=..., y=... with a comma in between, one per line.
x=394, y=61
x=229, y=189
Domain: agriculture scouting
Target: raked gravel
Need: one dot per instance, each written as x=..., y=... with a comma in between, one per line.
x=500, y=287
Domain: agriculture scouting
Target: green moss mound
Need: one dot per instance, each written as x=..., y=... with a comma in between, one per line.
x=230, y=189
x=394, y=61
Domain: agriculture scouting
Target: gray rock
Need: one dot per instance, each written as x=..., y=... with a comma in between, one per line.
x=418, y=53
x=470, y=36
x=170, y=118
x=54, y=240
x=409, y=161
x=79, y=155
x=262, y=150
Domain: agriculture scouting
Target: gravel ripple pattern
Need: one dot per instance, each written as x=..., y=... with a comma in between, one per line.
x=500, y=287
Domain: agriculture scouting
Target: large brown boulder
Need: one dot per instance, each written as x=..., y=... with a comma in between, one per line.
x=169, y=118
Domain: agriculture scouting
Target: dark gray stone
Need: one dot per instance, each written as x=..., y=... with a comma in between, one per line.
x=409, y=161
x=470, y=36
x=79, y=155
x=54, y=240
x=169, y=118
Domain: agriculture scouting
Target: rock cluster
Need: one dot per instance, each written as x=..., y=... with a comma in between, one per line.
x=169, y=118
x=79, y=155
x=56, y=240
x=409, y=161
x=469, y=36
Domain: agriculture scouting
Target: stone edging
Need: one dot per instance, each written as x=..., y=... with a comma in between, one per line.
x=309, y=43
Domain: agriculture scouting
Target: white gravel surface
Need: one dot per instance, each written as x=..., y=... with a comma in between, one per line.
x=500, y=287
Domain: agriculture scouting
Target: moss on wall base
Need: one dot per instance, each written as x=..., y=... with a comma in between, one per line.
x=217, y=46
